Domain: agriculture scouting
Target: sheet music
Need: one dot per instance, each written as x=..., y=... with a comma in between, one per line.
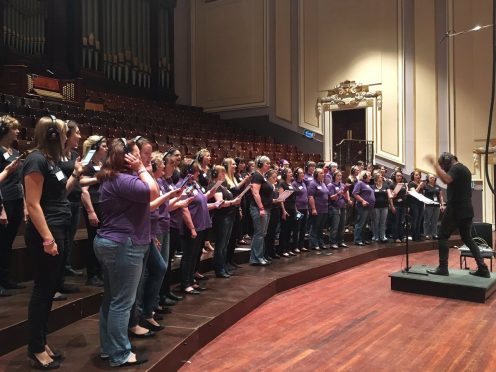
x=284, y=195
x=422, y=198
x=244, y=191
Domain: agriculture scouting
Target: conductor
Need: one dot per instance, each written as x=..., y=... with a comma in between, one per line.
x=458, y=214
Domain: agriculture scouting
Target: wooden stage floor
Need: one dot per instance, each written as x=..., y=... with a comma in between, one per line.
x=352, y=321
x=197, y=320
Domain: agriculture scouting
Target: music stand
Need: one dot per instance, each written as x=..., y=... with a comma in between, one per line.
x=423, y=199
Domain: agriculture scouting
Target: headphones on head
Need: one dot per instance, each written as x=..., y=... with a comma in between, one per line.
x=284, y=173
x=127, y=149
x=224, y=164
x=170, y=151
x=53, y=131
x=137, y=138
x=200, y=155
x=154, y=166
x=308, y=164
x=97, y=144
x=260, y=163
x=3, y=126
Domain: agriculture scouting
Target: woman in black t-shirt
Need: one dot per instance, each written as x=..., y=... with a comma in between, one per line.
x=46, y=188
x=236, y=183
x=260, y=202
x=203, y=157
x=12, y=198
x=380, y=210
x=223, y=221
x=397, y=206
x=67, y=164
x=431, y=211
x=90, y=198
x=288, y=240
x=275, y=217
x=416, y=206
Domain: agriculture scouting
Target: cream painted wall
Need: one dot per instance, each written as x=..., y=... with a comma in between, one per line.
x=425, y=81
x=358, y=40
x=229, y=56
x=470, y=76
x=283, y=93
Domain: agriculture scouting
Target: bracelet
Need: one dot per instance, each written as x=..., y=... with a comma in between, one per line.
x=48, y=242
x=75, y=175
x=142, y=170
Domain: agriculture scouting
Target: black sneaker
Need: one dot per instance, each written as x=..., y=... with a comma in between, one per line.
x=483, y=272
x=438, y=271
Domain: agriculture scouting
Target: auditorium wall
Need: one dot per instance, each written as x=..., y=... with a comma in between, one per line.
x=229, y=53
x=358, y=40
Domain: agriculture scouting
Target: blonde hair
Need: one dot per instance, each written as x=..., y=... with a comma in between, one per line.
x=9, y=122
x=157, y=158
x=50, y=146
x=228, y=164
x=92, y=141
x=361, y=174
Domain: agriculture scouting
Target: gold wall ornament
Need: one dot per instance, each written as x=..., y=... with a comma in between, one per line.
x=347, y=94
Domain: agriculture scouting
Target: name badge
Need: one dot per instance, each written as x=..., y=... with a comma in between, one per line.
x=205, y=175
x=6, y=155
x=97, y=168
x=60, y=175
x=203, y=190
x=377, y=190
x=171, y=188
x=195, y=192
x=400, y=200
x=319, y=187
x=300, y=187
x=310, y=178
x=290, y=187
x=435, y=198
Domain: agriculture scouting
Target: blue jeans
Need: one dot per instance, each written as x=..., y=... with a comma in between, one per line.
x=431, y=215
x=317, y=224
x=379, y=223
x=337, y=219
x=154, y=276
x=122, y=265
x=222, y=226
x=259, y=230
x=361, y=218
x=164, y=239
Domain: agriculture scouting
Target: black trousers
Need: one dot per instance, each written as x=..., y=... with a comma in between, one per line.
x=75, y=215
x=288, y=239
x=449, y=224
x=15, y=213
x=192, y=249
x=270, y=237
x=45, y=274
x=416, y=214
x=235, y=235
x=302, y=228
x=93, y=267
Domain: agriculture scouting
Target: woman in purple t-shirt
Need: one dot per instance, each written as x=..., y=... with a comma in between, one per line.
x=318, y=196
x=365, y=200
x=339, y=198
x=196, y=224
x=300, y=189
x=121, y=244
